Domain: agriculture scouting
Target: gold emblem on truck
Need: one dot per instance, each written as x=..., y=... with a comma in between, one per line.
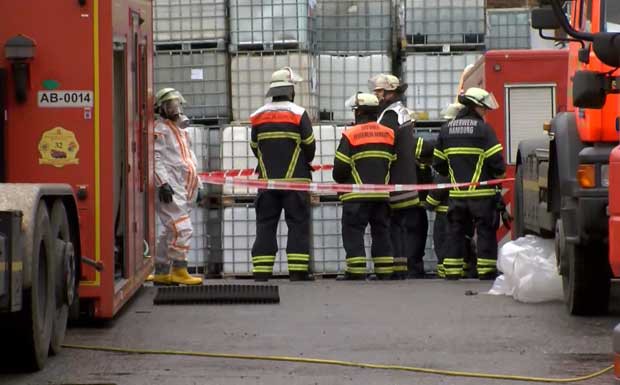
x=58, y=147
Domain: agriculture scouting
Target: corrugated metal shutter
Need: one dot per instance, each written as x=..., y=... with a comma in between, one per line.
x=527, y=109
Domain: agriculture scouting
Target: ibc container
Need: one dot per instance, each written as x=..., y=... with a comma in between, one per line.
x=238, y=234
x=433, y=80
x=508, y=29
x=271, y=24
x=354, y=25
x=200, y=75
x=444, y=21
x=342, y=76
x=251, y=75
x=237, y=155
x=327, y=139
x=183, y=20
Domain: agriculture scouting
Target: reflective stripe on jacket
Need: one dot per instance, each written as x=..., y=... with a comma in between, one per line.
x=364, y=156
x=283, y=141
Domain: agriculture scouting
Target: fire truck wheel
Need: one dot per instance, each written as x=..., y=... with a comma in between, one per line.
x=37, y=318
x=518, y=227
x=64, y=265
x=587, y=284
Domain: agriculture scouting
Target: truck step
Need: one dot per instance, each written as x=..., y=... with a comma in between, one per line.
x=217, y=295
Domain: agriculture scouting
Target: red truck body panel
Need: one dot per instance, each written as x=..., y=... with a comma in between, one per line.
x=498, y=69
x=72, y=141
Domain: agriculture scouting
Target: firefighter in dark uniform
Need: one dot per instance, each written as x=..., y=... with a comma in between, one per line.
x=437, y=201
x=364, y=156
x=283, y=141
x=468, y=152
x=407, y=221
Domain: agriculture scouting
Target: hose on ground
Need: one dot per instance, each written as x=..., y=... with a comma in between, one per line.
x=318, y=361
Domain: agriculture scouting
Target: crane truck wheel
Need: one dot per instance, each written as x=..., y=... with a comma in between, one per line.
x=34, y=324
x=64, y=265
x=586, y=281
x=518, y=227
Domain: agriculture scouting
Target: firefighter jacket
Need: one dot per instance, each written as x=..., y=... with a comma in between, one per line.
x=283, y=141
x=409, y=151
x=364, y=156
x=438, y=199
x=468, y=152
x=394, y=115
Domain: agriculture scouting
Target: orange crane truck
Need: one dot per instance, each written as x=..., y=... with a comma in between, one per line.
x=76, y=154
x=562, y=181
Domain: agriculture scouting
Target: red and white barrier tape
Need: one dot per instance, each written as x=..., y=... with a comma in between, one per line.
x=250, y=171
x=220, y=178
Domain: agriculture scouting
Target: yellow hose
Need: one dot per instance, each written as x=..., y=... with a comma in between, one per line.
x=338, y=363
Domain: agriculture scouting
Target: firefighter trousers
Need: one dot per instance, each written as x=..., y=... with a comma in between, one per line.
x=269, y=205
x=356, y=216
x=408, y=232
x=460, y=214
x=442, y=249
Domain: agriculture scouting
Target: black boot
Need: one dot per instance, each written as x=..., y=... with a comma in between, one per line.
x=295, y=276
x=351, y=277
x=260, y=277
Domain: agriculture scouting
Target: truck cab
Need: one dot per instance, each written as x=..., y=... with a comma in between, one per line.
x=562, y=181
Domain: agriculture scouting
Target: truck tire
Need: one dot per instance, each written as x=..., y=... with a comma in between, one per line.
x=518, y=225
x=64, y=265
x=33, y=325
x=587, y=282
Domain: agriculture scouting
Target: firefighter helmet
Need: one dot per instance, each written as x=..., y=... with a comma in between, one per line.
x=361, y=99
x=386, y=82
x=281, y=80
x=479, y=97
x=166, y=94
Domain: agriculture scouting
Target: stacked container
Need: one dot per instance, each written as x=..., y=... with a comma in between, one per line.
x=354, y=43
x=267, y=35
x=456, y=23
x=508, y=29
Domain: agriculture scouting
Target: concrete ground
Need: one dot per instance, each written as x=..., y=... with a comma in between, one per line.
x=425, y=323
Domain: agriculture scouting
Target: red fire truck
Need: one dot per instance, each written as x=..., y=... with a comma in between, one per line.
x=76, y=198
x=529, y=98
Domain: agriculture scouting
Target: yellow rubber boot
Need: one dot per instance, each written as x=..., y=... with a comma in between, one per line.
x=181, y=276
x=162, y=279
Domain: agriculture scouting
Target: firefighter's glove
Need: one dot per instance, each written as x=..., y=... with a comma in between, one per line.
x=504, y=214
x=201, y=197
x=165, y=193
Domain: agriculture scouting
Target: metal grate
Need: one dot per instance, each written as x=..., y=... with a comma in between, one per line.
x=354, y=26
x=509, y=29
x=251, y=75
x=271, y=24
x=200, y=75
x=179, y=20
x=444, y=22
x=433, y=80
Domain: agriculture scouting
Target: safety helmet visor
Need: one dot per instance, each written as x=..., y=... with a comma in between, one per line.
x=490, y=102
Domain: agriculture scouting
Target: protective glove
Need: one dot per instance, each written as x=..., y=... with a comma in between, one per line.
x=165, y=193
x=504, y=214
x=200, y=197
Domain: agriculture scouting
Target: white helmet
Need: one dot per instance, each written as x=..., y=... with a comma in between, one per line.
x=281, y=78
x=166, y=94
x=385, y=82
x=361, y=99
x=480, y=98
x=451, y=110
